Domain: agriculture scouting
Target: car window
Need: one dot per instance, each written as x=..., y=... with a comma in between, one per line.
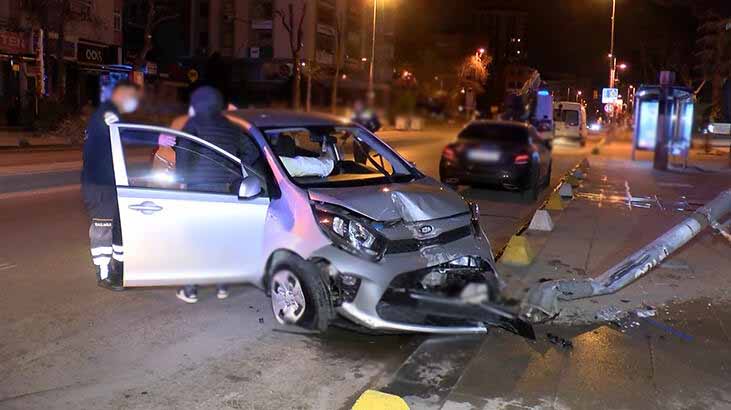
x=495, y=133
x=335, y=156
x=570, y=117
x=189, y=166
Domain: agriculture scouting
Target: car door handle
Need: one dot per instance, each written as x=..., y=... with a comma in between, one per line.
x=147, y=207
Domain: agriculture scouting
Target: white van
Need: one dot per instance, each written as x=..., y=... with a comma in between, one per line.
x=570, y=121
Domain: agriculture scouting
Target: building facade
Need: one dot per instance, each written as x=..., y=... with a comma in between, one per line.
x=255, y=37
x=86, y=33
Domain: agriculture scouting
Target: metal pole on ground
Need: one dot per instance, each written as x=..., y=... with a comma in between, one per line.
x=542, y=301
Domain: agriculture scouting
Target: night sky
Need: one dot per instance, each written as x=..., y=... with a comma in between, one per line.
x=572, y=36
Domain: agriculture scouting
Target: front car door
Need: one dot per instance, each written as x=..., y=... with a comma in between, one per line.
x=178, y=227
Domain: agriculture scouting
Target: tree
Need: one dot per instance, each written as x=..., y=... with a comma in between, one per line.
x=473, y=71
x=152, y=14
x=713, y=55
x=295, y=34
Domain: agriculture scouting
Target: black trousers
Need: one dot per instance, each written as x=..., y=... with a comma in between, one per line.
x=105, y=230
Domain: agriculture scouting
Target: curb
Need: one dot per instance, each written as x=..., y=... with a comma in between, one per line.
x=581, y=165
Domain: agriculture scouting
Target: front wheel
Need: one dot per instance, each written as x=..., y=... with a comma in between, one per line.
x=299, y=295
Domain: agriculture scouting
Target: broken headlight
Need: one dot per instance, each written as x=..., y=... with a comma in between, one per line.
x=350, y=232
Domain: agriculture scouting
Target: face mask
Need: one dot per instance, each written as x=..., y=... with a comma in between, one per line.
x=129, y=105
x=191, y=111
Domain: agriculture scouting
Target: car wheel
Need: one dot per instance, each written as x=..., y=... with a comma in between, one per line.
x=534, y=186
x=547, y=182
x=299, y=295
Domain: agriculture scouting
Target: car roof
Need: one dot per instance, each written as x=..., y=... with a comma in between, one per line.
x=268, y=118
x=502, y=123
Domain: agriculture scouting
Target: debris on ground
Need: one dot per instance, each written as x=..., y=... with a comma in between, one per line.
x=610, y=314
x=560, y=341
x=261, y=320
x=646, y=311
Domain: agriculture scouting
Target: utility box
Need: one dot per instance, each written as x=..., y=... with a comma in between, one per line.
x=677, y=119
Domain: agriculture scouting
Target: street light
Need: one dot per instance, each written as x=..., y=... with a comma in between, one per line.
x=612, y=58
x=578, y=95
x=371, y=91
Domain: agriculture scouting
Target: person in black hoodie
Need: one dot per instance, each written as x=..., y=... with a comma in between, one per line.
x=206, y=121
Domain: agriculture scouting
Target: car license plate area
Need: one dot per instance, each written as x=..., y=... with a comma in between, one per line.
x=483, y=155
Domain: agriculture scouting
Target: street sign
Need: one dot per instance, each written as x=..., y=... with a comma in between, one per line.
x=610, y=95
x=608, y=108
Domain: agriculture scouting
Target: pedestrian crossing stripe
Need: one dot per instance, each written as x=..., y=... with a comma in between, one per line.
x=376, y=400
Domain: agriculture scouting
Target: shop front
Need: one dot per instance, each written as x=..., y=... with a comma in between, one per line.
x=16, y=86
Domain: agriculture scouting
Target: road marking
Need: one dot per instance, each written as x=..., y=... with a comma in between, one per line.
x=7, y=265
x=37, y=192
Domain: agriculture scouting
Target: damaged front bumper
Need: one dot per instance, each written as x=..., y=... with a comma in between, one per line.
x=424, y=291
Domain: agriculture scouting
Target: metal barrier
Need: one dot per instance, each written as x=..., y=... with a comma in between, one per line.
x=542, y=301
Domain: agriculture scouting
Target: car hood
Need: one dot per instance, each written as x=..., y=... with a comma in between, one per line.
x=421, y=200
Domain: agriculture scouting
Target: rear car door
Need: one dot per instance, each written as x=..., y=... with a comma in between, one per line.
x=177, y=229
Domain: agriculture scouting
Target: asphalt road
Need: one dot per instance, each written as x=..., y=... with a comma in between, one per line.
x=67, y=344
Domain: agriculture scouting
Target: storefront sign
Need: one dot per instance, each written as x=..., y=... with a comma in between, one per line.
x=12, y=42
x=90, y=54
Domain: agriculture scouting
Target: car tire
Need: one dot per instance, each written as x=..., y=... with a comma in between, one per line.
x=299, y=295
x=547, y=181
x=534, y=186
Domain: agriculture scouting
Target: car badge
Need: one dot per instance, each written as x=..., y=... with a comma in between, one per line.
x=426, y=229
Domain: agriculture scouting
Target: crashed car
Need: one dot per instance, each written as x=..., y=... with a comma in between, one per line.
x=330, y=222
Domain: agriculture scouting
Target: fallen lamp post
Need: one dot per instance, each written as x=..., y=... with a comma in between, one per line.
x=541, y=302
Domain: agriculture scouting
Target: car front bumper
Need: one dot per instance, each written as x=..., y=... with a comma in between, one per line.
x=377, y=277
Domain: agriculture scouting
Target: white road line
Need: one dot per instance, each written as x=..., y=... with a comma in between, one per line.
x=38, y=192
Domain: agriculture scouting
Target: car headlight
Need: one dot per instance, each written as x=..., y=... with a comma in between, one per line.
x=350, y=232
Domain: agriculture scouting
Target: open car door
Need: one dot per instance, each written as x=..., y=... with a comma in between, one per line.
x=178, y=227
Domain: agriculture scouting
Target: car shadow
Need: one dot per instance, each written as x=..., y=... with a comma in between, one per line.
x=494, y=194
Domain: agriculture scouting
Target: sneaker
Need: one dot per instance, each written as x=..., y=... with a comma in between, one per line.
x=222, y=293
x=109, y=285
x=187, y=298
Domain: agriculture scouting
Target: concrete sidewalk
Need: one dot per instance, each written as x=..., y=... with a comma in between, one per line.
x=678, y=359
x=622, y=206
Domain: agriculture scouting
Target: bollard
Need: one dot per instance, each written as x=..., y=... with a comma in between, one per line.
x=542, y=301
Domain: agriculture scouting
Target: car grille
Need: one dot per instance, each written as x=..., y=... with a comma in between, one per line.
x=413, y=245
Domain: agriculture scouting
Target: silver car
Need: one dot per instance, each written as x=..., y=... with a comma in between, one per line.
x=330, y=221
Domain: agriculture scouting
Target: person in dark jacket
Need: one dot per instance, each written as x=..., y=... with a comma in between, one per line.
x=365, y=117
x=206, y=121
x=99, y=187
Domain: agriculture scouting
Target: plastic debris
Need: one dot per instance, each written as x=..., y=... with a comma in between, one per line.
x=610, y=314
x=647, y=311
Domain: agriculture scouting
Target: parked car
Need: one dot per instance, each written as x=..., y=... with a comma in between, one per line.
x=330, y=222
x=570, y=122
x=506, y=154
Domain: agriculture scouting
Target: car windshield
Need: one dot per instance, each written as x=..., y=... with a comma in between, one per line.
x=570, y=117
x=495, y=133
x=327, y=156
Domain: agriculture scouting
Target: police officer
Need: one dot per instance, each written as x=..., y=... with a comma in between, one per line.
x=99, y=187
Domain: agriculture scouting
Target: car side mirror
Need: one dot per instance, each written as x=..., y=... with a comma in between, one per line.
x=250, y=188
